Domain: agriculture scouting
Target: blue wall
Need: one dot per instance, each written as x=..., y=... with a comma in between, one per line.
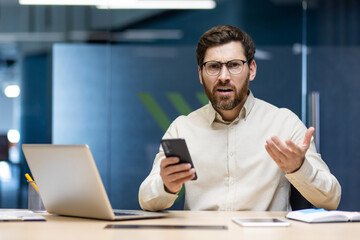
x=99, y=94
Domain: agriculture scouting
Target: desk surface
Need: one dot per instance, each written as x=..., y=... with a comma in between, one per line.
x=58, y=227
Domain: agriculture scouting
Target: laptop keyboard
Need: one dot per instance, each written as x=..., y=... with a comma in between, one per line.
x=123, y=214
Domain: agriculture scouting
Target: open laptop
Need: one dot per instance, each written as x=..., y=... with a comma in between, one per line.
x=69, y=183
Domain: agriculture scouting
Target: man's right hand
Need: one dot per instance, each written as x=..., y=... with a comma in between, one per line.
x=175, y=175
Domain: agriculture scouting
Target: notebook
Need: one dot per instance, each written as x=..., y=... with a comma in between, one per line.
x=70, y=184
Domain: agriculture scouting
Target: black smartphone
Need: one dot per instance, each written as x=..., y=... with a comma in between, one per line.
x=176, y=147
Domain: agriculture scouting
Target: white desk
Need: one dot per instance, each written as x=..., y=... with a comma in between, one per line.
x=64, y=228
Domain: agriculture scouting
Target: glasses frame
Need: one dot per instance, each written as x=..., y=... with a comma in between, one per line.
x=226, y=64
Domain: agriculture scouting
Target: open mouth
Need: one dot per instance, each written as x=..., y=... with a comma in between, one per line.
x=224, y=90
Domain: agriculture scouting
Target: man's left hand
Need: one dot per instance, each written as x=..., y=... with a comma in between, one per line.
x=288, y=157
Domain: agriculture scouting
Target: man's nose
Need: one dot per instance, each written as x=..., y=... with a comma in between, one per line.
x=224, y=73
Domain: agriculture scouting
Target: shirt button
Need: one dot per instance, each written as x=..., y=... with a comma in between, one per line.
x=231, y=154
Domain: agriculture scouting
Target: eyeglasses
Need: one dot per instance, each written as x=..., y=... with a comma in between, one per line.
x=213, y=68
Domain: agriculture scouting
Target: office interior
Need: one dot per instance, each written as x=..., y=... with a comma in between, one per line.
x=115, y=79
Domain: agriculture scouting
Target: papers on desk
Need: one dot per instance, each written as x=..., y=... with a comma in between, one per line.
x=20, y=215
x=323, y=216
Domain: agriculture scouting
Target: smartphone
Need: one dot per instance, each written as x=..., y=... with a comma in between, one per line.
x=176, y=147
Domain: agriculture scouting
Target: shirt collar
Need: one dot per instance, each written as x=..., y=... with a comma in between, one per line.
x=244, y=112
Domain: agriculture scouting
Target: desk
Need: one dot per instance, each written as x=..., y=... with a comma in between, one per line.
x=64, y=228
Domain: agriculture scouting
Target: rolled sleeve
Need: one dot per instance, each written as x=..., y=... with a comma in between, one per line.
x=153, y=197
x=318, y=186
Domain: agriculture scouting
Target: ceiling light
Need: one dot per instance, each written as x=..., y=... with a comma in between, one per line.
x=129, y=4
x=160, y=4
x=13, y=136
x=12, y=91
x=61, y=2
x=5, y=172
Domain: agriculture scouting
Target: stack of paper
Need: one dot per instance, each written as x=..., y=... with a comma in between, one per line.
x=20, y=215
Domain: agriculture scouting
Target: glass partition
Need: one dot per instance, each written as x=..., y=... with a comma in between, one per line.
x=333, y=38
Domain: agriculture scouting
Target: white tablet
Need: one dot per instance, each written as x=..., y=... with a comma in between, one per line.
x=261, y=222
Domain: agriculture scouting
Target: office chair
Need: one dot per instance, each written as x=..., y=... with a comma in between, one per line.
x=297, y=201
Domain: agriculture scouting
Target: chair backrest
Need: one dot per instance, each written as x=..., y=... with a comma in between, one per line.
x=297, y=201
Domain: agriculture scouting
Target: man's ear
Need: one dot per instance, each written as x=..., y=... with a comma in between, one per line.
x=252, y=70
x=200, y=76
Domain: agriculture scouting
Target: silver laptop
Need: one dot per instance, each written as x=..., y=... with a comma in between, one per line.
x=69, y=183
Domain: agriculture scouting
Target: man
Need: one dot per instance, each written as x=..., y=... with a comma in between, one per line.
x=246, y=152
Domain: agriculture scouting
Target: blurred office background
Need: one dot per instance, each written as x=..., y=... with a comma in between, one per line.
x=115, y=78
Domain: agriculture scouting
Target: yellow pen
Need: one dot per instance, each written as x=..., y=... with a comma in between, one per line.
x=31, y=181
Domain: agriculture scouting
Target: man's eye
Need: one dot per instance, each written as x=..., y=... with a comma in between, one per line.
x=233, y=64
x=213, y=66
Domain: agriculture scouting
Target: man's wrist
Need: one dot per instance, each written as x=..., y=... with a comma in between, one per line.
x=168, y=191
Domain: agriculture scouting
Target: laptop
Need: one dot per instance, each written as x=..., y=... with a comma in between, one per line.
x=69, y=183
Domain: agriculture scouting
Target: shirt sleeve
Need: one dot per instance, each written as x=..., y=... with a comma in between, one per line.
x=314, y=180
x=152, y=194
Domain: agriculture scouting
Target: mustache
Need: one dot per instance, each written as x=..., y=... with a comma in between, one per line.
x=227, y=84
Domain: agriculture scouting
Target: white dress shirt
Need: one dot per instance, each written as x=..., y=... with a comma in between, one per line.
x=234, y=170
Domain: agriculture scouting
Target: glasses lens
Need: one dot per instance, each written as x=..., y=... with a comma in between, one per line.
x=213, y=68
x=235, y=66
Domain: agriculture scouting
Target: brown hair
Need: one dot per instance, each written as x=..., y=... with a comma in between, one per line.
x=223, y=34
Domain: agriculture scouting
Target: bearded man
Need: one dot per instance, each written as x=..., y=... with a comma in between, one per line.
x=246, y=151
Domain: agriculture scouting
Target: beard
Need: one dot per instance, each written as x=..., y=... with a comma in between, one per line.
x=227, y=102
